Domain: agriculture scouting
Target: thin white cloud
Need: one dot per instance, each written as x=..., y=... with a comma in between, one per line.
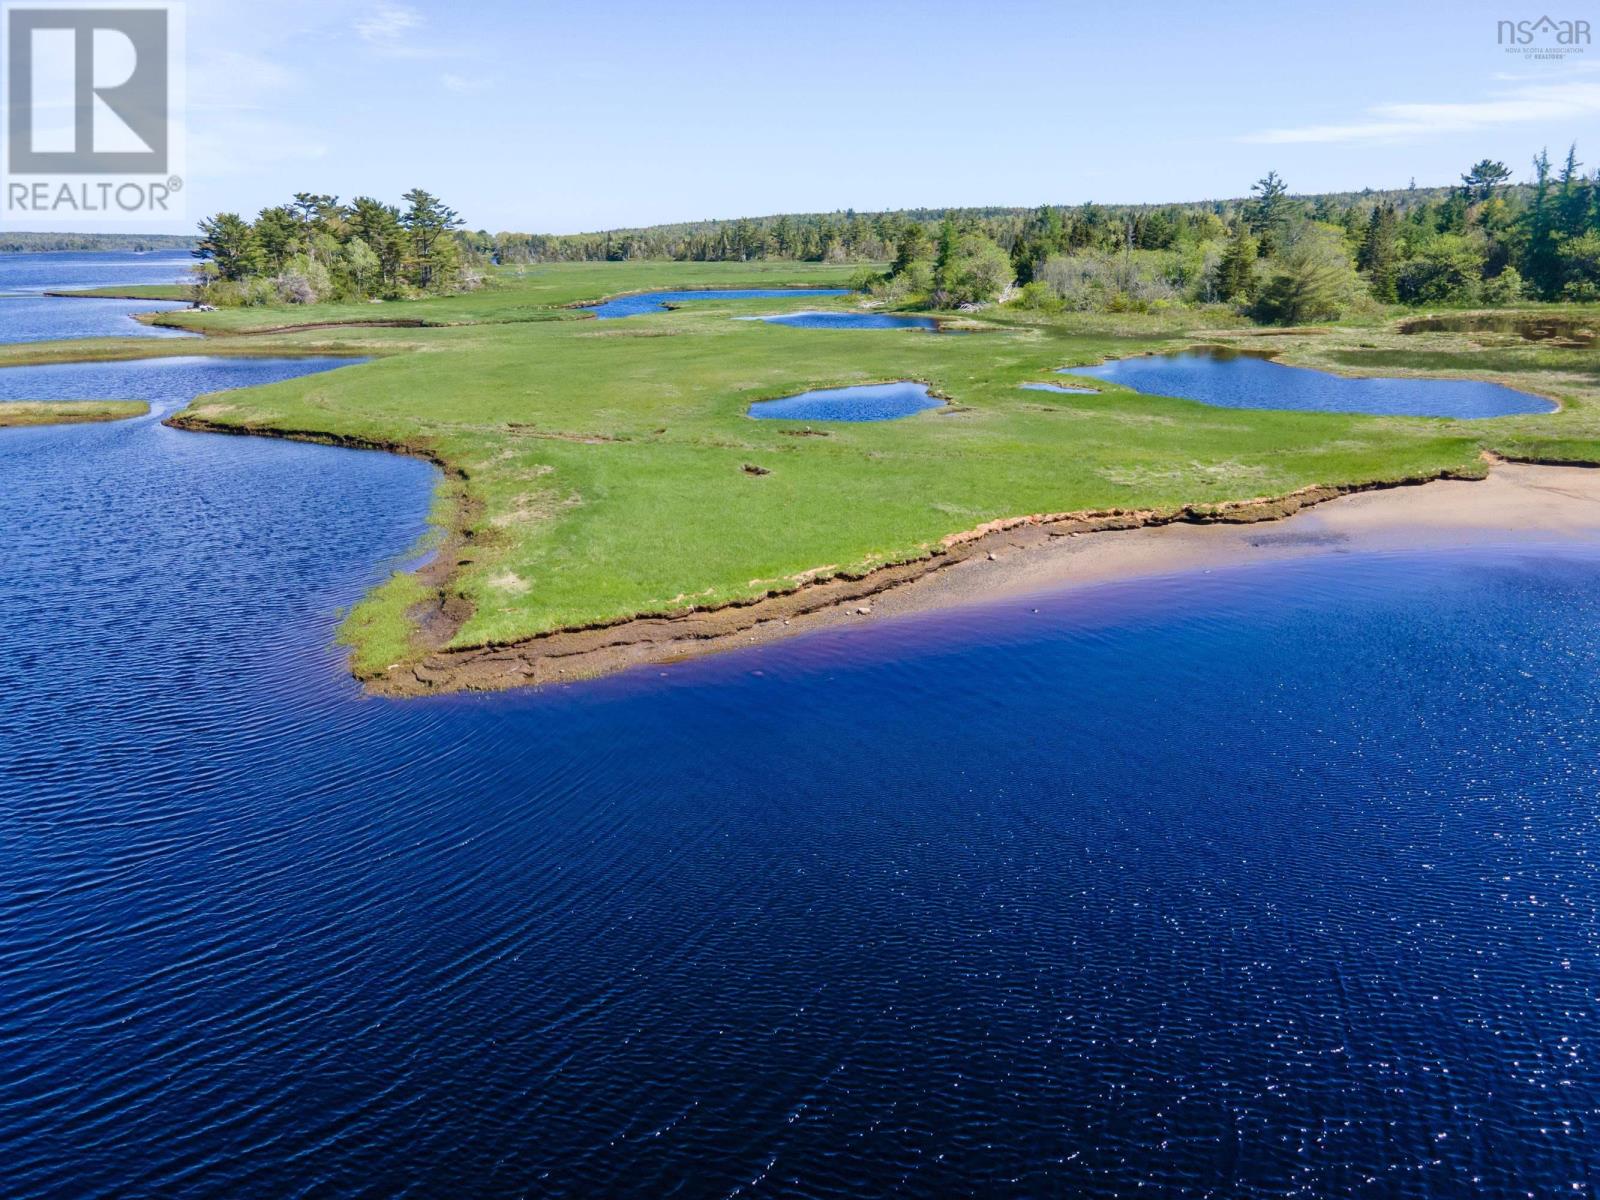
x=1564, y=101
x=387, y=25
x=392, y=31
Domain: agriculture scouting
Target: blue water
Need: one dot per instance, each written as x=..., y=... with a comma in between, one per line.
x=867, y=402
x=852, y=320
x=1056, y=387
x=28, y=316
x=1274, y=881
x=650, y=302
x=170, y=382
x=1233, y=380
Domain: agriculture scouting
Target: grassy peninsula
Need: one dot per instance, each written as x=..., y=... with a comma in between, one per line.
x=597, y=470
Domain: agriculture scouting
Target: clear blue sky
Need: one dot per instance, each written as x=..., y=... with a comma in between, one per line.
x=555, y=116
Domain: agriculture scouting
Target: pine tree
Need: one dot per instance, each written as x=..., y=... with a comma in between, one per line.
x=1572, y=199
x=378, y=225
x=1236, y=271
x=429, y=221
x=1267, y=212
x=229, y=243
x=1486, y=175
x=1380, y=252
x=949, y=239
x=912, y=246
x=1541, y=265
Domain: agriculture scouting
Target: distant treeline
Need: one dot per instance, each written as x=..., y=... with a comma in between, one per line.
x=1279, y=256
x=37, y=243
x=849, y=236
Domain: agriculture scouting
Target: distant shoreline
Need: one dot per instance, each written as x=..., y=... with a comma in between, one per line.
x=68, y=243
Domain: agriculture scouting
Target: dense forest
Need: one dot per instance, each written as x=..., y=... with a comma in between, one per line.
x=1280, y=256
x=315, y=249
x=15, y=242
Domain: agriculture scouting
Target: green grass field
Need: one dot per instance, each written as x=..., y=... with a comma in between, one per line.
x=16, y=413
x=604, y=461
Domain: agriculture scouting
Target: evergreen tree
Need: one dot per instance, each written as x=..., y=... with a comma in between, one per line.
x=949, y=239
x=1486, y=175
x=1236, y=272
x=378, y=225
x=429, y=221
x=1267, y=212
x=229, y=244
x=1572, y=198
x=279, y=232
x=1541, y=266
x=1380, y=252
x=913, y=246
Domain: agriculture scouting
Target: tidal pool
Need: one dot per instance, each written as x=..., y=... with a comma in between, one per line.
x=651, y=302
x=850, y=320
x=867, y=402
x=1231, y=379
x=1556, y=331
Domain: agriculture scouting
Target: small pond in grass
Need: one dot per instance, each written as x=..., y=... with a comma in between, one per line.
x=1061, y=387
x=1565, y=332
x=654, y=302
x=849, y=320
x=870, y=402
x=1231, y=379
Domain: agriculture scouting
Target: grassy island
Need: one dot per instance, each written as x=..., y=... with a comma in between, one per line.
x=17, y=413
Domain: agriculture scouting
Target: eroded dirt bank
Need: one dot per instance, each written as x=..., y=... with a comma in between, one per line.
x=1049, y=552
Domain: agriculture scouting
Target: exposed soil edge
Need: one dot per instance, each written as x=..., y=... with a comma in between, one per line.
x=583, y=652
x=437, y=619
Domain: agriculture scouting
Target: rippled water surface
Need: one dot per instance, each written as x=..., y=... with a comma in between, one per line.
x=649, y=302
x=1233, y=380
x=26, y=315
x=867, y=402
x=1278, y=881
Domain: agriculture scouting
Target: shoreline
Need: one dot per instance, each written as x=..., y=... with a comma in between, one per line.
x=1032, y=555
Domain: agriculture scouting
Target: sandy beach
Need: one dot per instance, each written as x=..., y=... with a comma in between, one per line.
x=1515, y=501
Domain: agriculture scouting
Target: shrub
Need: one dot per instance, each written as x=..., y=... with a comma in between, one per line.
x=1038, y=296
x=1504, y=288
x=976, y=273
x=1315, y=281
x=1448, y=270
